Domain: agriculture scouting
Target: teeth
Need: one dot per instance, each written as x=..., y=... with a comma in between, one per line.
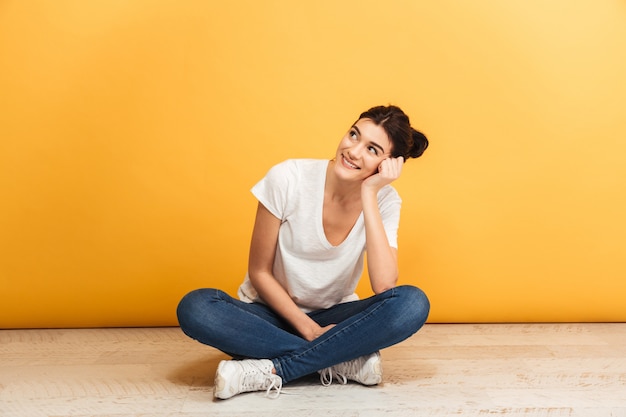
x=349, y=163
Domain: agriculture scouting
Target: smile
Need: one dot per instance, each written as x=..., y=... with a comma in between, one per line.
x=348, y=164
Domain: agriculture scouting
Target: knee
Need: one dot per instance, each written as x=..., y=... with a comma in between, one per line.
x=414, y=306
x=193, y=306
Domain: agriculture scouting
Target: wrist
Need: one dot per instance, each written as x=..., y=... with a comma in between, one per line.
x=308, y=328
x=313, y=333
x=369, y=192
x=369, y=199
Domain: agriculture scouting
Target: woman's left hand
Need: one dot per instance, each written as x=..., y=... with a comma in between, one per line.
x=389, y=170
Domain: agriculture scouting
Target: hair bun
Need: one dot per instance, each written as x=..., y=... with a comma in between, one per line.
x=420, y=143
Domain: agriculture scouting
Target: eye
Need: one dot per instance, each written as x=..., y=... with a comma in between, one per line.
x=372, y=150
x=353, y=135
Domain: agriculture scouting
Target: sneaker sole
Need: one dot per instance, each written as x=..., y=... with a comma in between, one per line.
x=376, y=374
x=219, y=390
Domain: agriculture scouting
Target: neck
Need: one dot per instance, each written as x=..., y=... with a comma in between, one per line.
x=339, y=190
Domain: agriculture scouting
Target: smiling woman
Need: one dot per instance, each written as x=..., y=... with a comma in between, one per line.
x=298, y=312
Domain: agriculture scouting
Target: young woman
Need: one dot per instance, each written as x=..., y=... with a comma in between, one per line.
x=297, y=312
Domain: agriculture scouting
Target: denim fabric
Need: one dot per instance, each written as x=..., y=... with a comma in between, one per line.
x=253, y=330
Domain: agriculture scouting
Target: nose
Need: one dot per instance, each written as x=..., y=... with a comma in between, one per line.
x=355, y=151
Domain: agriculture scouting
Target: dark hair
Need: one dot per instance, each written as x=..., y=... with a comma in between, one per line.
x=405, y=141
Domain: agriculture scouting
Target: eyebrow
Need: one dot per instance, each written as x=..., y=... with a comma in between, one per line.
x=373, y=143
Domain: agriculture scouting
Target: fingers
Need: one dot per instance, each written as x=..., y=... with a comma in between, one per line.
x=391, y=167
x=389, y=170
x=321, y=331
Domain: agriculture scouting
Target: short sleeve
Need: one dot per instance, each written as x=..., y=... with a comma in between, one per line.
x=274, y=189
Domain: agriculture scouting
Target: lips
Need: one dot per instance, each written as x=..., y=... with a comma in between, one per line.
x=348, y=164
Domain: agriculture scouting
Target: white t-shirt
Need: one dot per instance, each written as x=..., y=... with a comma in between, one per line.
x=315, y=273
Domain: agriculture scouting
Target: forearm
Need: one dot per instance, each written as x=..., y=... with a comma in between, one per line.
x=382, y=264
x=275, y=296
x=260, y=265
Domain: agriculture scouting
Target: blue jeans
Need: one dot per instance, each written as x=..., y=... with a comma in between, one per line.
x=253, y=330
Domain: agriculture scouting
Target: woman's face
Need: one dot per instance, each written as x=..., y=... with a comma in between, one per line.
x=361, y=150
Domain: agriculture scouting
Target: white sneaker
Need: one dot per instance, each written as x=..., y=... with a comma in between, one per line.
x=366, y=370
x=236, y=376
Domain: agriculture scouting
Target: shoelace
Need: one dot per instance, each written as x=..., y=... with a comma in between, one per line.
x=276, y=384
x=327, y=375
x=256, y=378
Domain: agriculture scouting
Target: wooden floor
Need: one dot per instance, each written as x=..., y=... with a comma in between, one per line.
x=444, y=370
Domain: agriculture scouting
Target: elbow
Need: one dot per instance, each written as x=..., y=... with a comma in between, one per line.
x=256, y=276
x=381, y=287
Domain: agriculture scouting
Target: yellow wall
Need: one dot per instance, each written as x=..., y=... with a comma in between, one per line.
x=132, y=131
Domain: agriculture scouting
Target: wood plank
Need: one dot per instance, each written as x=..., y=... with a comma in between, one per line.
x=570, y=369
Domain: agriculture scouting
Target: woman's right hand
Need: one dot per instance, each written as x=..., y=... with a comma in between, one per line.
x=317, y=332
